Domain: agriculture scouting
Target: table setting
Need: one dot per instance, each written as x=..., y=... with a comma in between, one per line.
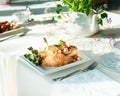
x=98, y=69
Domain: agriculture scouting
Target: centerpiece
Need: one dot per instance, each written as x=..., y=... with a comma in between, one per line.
x=87, y=16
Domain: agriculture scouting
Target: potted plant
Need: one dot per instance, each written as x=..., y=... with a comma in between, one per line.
x=87, y=8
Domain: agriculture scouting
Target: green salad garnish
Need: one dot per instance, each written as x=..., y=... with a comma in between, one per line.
x=33, y=56
x=61, y=42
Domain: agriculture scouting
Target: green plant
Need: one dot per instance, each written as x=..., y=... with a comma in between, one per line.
x=84, y=6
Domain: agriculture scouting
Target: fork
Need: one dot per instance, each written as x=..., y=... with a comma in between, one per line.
x=90, y=67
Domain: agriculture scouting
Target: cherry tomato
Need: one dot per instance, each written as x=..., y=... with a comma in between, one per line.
x=3, y=26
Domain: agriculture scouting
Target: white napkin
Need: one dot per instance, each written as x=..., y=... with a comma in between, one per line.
x=91, y=83
x=8, y=75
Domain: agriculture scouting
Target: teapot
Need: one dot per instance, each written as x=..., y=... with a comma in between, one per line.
x=82, y=25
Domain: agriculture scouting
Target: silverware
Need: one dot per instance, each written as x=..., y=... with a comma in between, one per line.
x=45, y=40
x=90, y=67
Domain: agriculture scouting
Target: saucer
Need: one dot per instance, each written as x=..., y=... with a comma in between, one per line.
x=23, y=23
x=110, y=61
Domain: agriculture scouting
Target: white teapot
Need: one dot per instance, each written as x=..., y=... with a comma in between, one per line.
x=83, y=25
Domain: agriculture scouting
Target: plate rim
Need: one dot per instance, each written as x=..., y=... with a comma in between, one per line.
x=13, y=32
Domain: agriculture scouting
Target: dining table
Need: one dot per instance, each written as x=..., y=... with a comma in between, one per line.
x=19, y=78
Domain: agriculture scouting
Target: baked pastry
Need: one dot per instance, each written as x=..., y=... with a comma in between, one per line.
x=56, y=56
x=49, y=50
x=56, y=60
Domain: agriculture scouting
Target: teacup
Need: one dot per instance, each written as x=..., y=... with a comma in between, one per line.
x=21, y=17
x=115, y=48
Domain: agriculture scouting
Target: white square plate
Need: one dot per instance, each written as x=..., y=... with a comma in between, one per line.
x=50, y=70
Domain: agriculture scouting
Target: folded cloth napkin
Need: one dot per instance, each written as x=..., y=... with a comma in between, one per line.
x=91, y=83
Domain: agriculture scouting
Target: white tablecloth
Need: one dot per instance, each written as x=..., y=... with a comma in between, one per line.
x=29, y=83
x=91, y=83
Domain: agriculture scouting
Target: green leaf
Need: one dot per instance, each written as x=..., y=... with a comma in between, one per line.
x=35, y=52
x=100, y=21
x=30, y=48
x=61, y=42
x=59, y=17
x=31, y=57
x=53, y=19
x=58, y=8
x=104, y=15
x=87, y=11
x=36, y=60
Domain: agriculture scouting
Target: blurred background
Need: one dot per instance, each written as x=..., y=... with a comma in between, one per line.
x=7, y=7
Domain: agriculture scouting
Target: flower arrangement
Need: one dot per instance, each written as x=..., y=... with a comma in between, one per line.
x=84, y=6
